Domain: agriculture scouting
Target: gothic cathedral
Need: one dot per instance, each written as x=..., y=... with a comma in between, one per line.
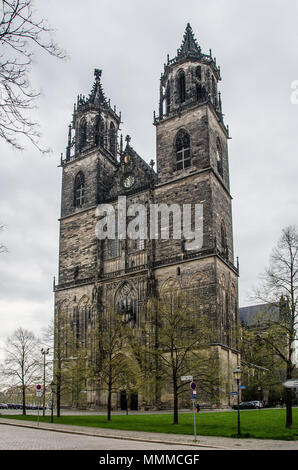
x=191, y=166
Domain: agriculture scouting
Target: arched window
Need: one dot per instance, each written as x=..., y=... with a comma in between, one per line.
x=199, y=72
x=79, y=190
x=112, y=139
x=182, y=150
x=223, y=240
x=219, y=157
x=99, y=131
x=168, y=99
x=83, y=133
x=181, y=87
x=114, y=244
x=126, y=304
x=200, y=91
x=213, y=87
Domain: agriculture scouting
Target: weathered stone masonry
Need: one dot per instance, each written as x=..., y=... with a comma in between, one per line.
x=192, y=167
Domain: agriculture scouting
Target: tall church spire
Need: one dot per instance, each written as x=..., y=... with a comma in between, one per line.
x=97, y=94
x=189, y=44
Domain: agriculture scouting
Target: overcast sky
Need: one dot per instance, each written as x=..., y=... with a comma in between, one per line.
x=255, y=44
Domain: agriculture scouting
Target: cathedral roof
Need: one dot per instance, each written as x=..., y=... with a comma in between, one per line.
x=138, y=160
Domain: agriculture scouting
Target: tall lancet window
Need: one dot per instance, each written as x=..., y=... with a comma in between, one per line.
x=182, y=150
x=168, y=99
x=181, y=86
x=219, y=157
x=199, y=72
x=83, y=133
x=79, y=190
x=223, y=236
x=112, y=139
x=99, y=131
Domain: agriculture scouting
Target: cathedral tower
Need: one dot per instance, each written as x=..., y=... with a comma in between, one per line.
x=192, y=167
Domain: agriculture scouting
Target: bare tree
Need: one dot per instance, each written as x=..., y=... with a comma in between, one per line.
x=114, y=355
x=22, y=362
x=183, y=348
x=21, y=33
x=280, y=289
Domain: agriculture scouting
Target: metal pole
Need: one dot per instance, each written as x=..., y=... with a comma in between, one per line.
x=52, y=408
x=194, y=420
x=238, y=400
x=44, y=384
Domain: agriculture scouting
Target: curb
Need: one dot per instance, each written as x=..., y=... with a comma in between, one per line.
x=124, y=438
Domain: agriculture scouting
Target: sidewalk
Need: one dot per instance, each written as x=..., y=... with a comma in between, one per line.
x=218, y=443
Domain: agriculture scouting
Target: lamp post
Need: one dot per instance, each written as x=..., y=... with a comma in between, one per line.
x=237, y=373
x=44, y=352
x=260, y=393
x=53, y=387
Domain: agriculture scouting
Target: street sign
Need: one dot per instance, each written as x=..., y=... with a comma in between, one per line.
x=242, y=387
x=193, y=394
x=193, y=385
x=187, y=377
x=291, y=384
x=233, y=393
x=38, y=387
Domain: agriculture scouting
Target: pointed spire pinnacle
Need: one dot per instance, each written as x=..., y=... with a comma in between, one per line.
x=189, y=44
x=97, y=94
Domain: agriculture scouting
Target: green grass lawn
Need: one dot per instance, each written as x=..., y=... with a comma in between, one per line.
x=262, y=424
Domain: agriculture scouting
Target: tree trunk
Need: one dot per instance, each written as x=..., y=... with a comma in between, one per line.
x=109, y=400
x=289, y=400
x=288, y=408
x=58, y=398
x=175, y=389
x=24, y=399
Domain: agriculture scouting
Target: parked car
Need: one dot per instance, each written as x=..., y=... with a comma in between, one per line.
x=3, y=406
x=247, y=405
x=258, y=404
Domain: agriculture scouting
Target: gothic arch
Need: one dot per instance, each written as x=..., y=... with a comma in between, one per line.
x=82, y=133
x=79, y=189
x=223, y=240
x=182, y=150
x=219, y=156
x=181, y=88
x=99, y=131
x=168, y=98
x=112, y=139
x=170, y=285
x=126, y=302
x=198, y=278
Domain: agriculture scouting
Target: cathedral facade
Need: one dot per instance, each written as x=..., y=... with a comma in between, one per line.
x=191, y=166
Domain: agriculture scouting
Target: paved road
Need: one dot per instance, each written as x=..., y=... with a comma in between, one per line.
x=18, y=438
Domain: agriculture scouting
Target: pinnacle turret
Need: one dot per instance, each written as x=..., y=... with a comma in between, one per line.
x=189, y=46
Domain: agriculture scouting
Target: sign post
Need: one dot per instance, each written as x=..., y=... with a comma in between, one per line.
x=193, y=387
x=38, y=395
x=193, y=396
x=292, y=383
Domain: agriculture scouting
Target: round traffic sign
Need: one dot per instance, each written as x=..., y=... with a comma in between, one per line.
x=38, y=387
x=193, y=385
